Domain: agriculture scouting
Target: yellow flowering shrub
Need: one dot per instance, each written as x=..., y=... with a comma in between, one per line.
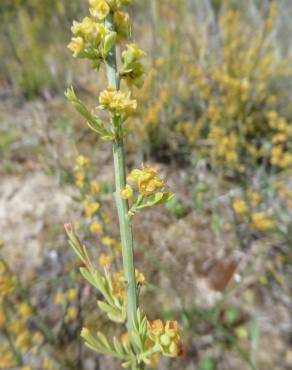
x=221, y=98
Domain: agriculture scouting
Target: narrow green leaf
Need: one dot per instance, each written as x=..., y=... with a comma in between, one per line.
x=91, y=278
x=103, y=340
x=109, y=42
x=118, y=347
x=157, y=198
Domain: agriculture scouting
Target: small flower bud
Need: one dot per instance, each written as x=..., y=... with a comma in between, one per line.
x=127, y=192
x=171, y=328
x=156, y=327
x=99, y=9
x=165, y=340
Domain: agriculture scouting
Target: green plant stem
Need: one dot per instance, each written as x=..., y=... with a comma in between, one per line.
x=122, y=205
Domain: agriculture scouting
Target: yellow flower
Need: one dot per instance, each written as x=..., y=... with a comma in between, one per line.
x=286, y=160
x=156, y=327
x=60, y=298
x=171, y=328
x=106, y=218
x=140, y=278
x=279, y=138
x=24, y=310
x=80, y=179
x=240, y=207
x=167, y=336
x=117, y=247
x=72, y=294
x=132, y=70
x=76, y=45
x=94, y=187
x=96, y=228
x=71, y=314
x=122, y=23
x=127, y=192
x=99, y=8
x=117, y=102
x=89, y=35
x=107, y=241
x=23, y=341
x=84, y=29
x=38, y=338
x=254, y=197
x=119, y=277
x=231, y=157
x=147, y=180
x=105, y=260
x=7, y=285
x=17, y=326
x=132, y=53
x=90, y=208
x=82, y=162
x=262, y=222
x=7, y=361
x=118, y=281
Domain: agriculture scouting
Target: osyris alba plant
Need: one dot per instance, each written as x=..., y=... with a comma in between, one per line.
x=95, y=39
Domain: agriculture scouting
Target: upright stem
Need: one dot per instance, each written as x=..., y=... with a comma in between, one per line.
x=122, y=205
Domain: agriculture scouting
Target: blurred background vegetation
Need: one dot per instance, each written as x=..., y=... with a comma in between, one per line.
x=215, y=116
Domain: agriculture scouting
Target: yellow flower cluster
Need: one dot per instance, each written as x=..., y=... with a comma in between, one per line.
x=70, y=295
x=147, y=181
x=167, y=336
x=88, y=37
x=262, y=222
x=96, y=221
x=82, y=165
x=117, y=102
x=132, y=70
x=7, y=359
x=105, y=260
x=82, y=162
x=90, y=189
x=247, y=211
x=68, y=299
x=119, y=282
x=282, y=133
x=113, y=244
x=91, y=208
x=101, y=8
x=92, y=40
x=96, y=228
x=240, y=207
x=15, y=314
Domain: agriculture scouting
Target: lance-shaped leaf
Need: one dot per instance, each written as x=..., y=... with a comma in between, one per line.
x=118, y=347
x=100, y=344
x=109, y=41
x=155, y=199
x=75, y=243
x=139, y=333
x=93, y=122
x=113, y=313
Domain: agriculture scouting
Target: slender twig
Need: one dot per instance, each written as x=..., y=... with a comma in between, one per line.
x=122, y=205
